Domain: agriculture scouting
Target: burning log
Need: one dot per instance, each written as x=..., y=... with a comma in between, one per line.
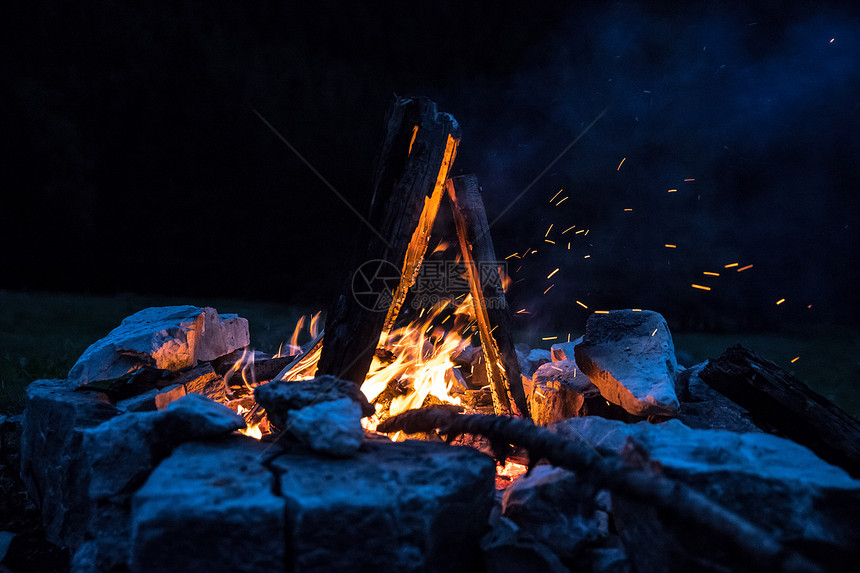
x=417, y=152
x=488, y=296
x=777, y=400
x=670, y=497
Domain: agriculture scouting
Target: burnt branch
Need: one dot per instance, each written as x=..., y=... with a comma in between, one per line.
x=671, y=498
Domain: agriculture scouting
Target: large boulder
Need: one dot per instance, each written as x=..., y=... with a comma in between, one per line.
x=400, y=506
x=170, y=337
x=53, y=462
x=210, y=507
x=773, y=482
x=630, y=357
x=120, y=455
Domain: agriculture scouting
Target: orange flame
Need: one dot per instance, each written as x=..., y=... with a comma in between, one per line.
x=419, y=363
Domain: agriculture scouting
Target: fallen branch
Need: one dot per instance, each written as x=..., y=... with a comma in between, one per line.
x=673, y=499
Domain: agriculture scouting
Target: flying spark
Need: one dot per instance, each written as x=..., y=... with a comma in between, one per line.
x=568, y=229
x=780, y=301
x=552, y=273
x=745, y=268
x=620, y=164
x=548, y=230
x=556, y=195
x=730, y=265
x=710, y=274
x=669, y=246
x=562, y=201
x=700, y=287
x=548, y=289
x=795, y=359
x=582, y=305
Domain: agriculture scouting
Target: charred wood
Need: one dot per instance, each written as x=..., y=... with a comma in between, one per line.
x=775, y=399
x=488, y=296
x=417, y=151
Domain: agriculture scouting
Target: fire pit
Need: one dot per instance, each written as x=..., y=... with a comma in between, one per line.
x=138, y=459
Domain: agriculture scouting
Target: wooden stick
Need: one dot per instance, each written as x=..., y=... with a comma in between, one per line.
x=303, y=360
x=488, y=296
x=419, y=146
x=760, y=549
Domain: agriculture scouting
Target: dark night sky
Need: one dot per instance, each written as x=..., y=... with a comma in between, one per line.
x=132, y=161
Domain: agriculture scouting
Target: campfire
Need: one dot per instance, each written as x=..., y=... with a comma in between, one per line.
x=413, y=365
x=600, y=453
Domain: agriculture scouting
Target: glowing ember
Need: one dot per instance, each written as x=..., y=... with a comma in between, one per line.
x=507, y=473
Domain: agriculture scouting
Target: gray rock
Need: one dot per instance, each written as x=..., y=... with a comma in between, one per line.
x=706, y=409
x=534, y=359
x=609, y=560
x=6, y=538
x=108, y=540
x=509, y=549
x=153, y=400
x=329, y=427
x=210, y=507
x=221, y=334
x=123, y=451
x=775, y=483
x=564, y=350
x=558, y=391
x=401, y=506
x=53, y=464
x=630, y=357
x=205, y=381
x=548, y=504
x=301, y=408
x=172, y=338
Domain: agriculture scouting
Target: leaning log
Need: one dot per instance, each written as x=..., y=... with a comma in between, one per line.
x=419, y=146
x=777, y=400
x=492, y=313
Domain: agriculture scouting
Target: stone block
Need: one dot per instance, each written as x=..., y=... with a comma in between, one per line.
x=210, y=507
x=630, y=357
x=400, y=506
x=53, y=463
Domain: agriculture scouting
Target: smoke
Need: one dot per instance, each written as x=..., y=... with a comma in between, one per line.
x=760, y=109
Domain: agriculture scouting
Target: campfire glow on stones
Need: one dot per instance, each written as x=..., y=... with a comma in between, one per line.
x=413, y=367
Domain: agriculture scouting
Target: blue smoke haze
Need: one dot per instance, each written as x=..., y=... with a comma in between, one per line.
x=762, y=110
